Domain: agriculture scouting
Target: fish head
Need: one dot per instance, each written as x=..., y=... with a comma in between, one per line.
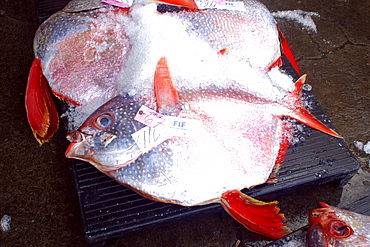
x=104, y=139
x=331, y=226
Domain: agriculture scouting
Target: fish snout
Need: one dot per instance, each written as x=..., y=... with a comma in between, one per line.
x=75, y=136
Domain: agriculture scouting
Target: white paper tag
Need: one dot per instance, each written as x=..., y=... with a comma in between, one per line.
x=221, y=4
x=149, y=117
x=180, y=126
x=148, y=137
x=159, y=128
x=119, y=3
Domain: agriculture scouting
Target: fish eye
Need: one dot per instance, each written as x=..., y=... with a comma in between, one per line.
x=104, y=121
x=340, y=229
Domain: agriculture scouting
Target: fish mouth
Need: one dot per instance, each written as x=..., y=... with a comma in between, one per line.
x=78, y=150
x=83, y=151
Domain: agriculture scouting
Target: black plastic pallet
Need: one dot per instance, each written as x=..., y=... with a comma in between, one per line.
x=110, y=210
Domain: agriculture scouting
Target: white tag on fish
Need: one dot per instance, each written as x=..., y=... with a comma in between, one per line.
x=180, y=126
x=160, y=127
x=149, y=117
x=119, y=3
x=221, y=4
x=148, y=137
x=176, y=125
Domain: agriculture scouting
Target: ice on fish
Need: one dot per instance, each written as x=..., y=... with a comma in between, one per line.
x=190, y=42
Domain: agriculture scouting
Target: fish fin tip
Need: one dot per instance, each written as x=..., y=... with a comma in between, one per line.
x=302, y=115
x=257, y=216
x=164, y=90
x=287, y=52
x=42, y=115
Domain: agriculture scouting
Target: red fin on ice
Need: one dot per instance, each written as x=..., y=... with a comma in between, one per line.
x=257, y=216
x=41, y=111
x=287, y=52
x=303, y=116
x=181, y=3
x=164, y=91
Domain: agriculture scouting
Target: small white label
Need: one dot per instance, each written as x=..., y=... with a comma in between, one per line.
x=221, y=4
x=148, y=137
x=149, y=117
x=180, y=126
x=159, y=128
x=119, y=3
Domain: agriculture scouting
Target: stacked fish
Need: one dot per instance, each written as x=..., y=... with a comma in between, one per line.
x=190, y=99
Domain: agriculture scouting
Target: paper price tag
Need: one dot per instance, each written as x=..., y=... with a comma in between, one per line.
x=221, y=4
x=159, y=128
x=119, y=3
x=148, y=138
x=149, y=117
x=180, y=126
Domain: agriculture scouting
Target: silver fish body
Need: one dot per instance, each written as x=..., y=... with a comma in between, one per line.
x=106, y=51
x=230, y=144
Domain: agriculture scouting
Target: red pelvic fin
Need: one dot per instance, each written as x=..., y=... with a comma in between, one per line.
x=277, y=63
x=182, y=3
x=302, y=115
x=41, y=111
x=164, y=91
x=287, y=52
x=257, y=216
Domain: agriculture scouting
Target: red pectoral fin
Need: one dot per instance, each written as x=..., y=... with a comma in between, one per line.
x=257, y=216
x=300, y=114
x=41, y=111
x=287, y=52
x=164, y=91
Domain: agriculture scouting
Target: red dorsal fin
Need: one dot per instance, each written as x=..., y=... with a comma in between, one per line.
x=41, y=111
x=300, y=114
x=287, y=52
x=257, y=216
x=182, y=3
x=164, y=91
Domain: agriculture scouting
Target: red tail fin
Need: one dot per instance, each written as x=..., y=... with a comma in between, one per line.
x=303, y=116
x=41, y=111
x=257, y=216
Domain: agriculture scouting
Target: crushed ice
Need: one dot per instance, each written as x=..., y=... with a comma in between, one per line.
x=302, y=17
x=363, y=147
x=5, y=223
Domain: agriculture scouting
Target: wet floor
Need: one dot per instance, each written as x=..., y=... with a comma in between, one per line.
x=37, y=186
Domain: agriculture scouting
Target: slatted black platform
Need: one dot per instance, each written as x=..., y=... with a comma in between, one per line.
x=110, y=210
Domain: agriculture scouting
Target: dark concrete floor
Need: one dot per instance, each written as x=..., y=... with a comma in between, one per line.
x=37, y=187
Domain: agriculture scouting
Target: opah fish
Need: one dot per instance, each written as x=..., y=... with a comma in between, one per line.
x=332, y=226
x=199, y=146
